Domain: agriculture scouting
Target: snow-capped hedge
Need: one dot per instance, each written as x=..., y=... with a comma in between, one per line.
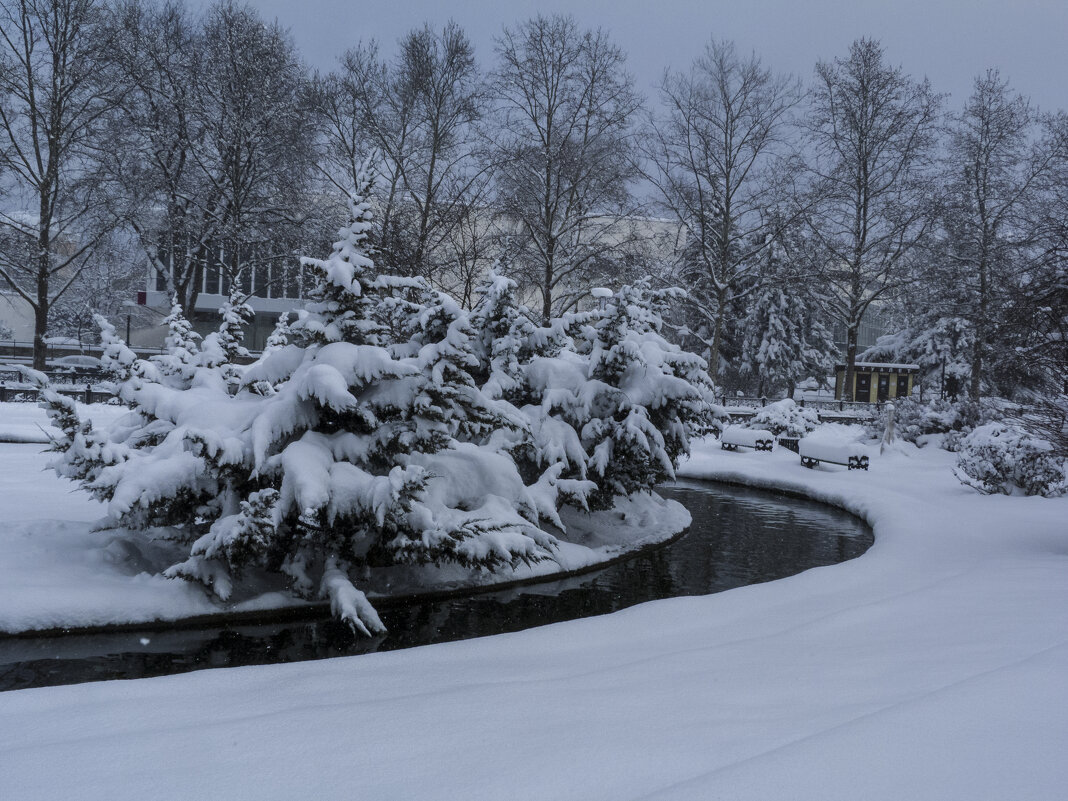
x=1000, y=459
x=385, y=424
x=786, y=419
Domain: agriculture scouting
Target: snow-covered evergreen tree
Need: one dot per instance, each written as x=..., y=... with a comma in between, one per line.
x=395, y=428
x=178, y=363
x=645, y=397
x=783, y=339
x=609, y=403
x=279, y=336
x=499, y=331
x=934, y=342
x=363, y=456
x=120, y=363
x=221, y=349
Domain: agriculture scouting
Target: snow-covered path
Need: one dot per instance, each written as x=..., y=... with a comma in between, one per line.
x=933, y=667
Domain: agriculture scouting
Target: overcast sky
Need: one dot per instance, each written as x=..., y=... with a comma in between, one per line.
x=949, y=41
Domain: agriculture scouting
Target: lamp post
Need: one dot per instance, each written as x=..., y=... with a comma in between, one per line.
x=129, y=305
x=602, y=294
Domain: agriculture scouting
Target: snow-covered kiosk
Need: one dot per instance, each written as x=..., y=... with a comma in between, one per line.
x=875, y=381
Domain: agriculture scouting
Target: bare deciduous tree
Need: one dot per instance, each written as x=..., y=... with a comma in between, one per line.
x=996, y=163
x=565, y=156
x=722, y=164
x=104, y=287
x=419, y=115
x=54, y=91
x=213, y=143
x=1037, y=319
x=873, y=132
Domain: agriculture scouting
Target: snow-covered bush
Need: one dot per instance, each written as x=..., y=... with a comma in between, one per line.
x=999, y=459
x=785, y=418
x=913, y=419
x=967, y=416
x=609, y=403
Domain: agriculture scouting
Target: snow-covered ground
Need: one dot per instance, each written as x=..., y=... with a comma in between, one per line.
x=26, y=422
x=57, y=572
x=933, y=667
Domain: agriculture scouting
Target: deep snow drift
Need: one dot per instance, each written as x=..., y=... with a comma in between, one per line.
x=933, y=667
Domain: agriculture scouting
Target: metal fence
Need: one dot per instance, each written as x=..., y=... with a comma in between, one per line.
x=819, y=405
x=829, y=411
x=22, y=350
x=27, y=394
x=72, y=375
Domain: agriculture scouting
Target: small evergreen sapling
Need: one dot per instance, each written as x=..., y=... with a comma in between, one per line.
x=178, y=363
x=279, y=336
x=221, y=349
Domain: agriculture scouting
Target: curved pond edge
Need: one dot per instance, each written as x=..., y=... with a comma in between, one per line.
x=789, y=490
x=320, y=609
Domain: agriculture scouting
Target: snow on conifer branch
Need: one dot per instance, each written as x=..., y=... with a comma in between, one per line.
x=387, y=425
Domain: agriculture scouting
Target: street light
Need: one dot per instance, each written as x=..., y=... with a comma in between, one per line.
x=602, y=294
x=129, y=305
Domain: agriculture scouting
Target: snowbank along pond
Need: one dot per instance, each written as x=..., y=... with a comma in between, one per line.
x=739, y=536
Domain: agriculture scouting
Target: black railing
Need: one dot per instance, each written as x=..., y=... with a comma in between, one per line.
x=28, y=394
x=23, y=349
x=754, y=403
x=83, y=375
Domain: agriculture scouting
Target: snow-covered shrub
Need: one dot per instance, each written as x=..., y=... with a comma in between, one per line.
x=785, y=418
x=967, y=416
x=913, y=419
x=998, y=459
x=609, y=403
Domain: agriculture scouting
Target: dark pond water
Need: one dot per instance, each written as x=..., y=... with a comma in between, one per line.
x=739, y=536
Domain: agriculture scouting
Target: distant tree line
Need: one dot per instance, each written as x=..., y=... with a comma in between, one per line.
x=782, y=207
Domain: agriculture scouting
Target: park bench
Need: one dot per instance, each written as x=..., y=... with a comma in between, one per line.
x=734, y=437
x=847, y=454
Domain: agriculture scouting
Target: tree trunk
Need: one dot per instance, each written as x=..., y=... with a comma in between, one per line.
x=40, y=330
x=40, y=309
x=848, y=390
x=547, y=288
x=977, y=370
x=980, y=334
x=717, y=341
